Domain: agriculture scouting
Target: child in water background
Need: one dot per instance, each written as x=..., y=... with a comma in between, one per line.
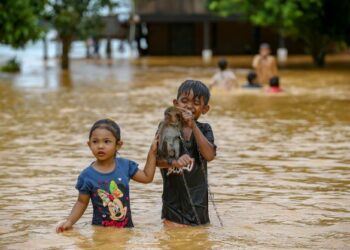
x=252, y=81
x=106, y=180
x=274, y=85
x=185, y=186
x=224, y=79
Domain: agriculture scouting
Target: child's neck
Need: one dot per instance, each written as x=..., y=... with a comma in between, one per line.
x=106, y=166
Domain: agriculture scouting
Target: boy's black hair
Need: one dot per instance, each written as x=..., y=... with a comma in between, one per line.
x=251, y=76
x=274, y=81
x=264, y=46
x=108, y=124
x=199, y=90
x=222, y=63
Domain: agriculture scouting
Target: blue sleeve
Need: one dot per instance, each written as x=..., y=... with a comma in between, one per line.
x=133, y=168
x=82, y=185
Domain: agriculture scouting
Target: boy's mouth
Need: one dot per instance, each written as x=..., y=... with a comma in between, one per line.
x=101, y=153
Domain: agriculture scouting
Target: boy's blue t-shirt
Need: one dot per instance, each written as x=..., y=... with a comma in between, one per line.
x=109, y=193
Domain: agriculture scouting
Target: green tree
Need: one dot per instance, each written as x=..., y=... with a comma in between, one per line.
x=73, y=20
x=316, y=22
x=19, y=21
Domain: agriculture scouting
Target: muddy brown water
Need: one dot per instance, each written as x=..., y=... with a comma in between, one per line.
x=281, y=179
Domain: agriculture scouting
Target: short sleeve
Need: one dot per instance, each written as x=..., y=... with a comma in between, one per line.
x=133, y=168
x=82, y=185
x=208, y=133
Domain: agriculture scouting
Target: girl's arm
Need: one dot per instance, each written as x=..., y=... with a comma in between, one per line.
x=146, y=175
x=77, y=211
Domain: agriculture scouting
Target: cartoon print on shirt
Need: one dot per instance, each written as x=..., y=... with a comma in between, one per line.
x=115, y=206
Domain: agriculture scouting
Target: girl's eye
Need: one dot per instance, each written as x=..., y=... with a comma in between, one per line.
x=94, y=141
x=108, y=141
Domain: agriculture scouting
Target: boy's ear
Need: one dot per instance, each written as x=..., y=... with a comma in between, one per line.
x=175, y=102
x=89, y=144
x=205, y=109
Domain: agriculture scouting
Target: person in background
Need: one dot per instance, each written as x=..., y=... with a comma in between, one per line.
x=224, y=79
x=274, y=85
x=265, y=64
x=252, y=81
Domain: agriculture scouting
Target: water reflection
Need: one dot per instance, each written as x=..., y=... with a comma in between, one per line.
x=281, y=177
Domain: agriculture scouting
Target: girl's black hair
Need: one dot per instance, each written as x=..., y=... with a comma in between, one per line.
x=199, y=90
x=108, y=124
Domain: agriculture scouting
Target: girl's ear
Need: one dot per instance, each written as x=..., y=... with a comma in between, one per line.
x=89, y=144
x=175, y=102
x=205, y=109
x=119, y=145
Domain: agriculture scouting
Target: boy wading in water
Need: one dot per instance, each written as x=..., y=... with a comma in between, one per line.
x=265, y=64
x=185, y=189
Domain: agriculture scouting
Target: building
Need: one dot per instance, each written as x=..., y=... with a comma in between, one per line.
x=185, y=27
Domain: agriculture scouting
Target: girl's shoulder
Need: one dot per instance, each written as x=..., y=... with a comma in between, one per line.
x=125, y=162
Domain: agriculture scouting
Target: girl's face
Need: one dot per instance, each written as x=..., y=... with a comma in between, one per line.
x=103, y=144
x=194, y=104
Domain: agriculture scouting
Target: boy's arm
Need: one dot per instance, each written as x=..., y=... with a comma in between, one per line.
x=206, y=148
x=256, y=61
x=213, y=81
x=183, y=161
x=274, y=69
x=147, y=174
x=77, y=211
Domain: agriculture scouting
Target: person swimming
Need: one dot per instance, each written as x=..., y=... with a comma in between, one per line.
x=274, y=85
x=224, y=79
x=252, y=81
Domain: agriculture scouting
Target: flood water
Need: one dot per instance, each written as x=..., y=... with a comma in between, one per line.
x=281, y=179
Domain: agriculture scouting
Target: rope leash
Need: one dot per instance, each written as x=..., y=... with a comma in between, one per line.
x=211, y=196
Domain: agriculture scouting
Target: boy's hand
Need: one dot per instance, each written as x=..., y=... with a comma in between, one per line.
x=183, y=161
x=187, y=117
x=63, y=226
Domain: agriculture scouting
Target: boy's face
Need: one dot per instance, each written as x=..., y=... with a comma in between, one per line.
x=264, y=52
x=194, y=104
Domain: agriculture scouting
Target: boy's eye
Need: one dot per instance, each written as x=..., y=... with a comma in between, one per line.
x=108, y=141
x=184, y=100
x=94, y=141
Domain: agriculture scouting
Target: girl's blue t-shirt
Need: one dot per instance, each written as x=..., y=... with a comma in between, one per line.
x=109, y=193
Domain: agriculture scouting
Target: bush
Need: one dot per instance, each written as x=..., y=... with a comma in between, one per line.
x=11, y=66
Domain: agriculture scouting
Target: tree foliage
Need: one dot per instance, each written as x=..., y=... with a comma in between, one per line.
x=20, y=21
x=73, y=20
x=316, y=22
